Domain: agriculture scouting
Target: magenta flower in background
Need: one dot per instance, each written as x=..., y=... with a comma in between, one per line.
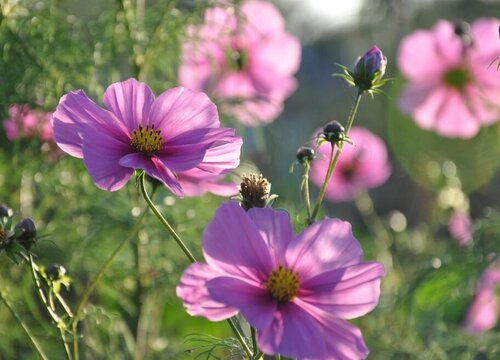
x=24, y=122
x=295, y=290
x=483, y=312
x=452, y=88
x=361, y=166
x=461, y=228
x=162, y=136
x=247, y=61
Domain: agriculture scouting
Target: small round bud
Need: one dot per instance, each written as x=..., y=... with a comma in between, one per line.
x=25, y=232
x=462, y=30
x=55, y=272
x=334, y=132
x=305, y=154
x=5, y=211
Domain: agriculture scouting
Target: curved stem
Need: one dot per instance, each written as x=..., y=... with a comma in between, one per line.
x=164, y=222
x=34, y=342
x=255, y=348
x=335, y=158
x=189, y=255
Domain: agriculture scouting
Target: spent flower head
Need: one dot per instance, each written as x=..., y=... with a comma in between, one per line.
x=296, y=290
x=255, y=191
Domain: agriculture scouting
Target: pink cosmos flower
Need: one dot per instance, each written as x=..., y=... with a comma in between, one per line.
x=461, y=227
x=362, y=165
x=163, y=136
x=452, y=88
x=295, y=290
x=24, y=122
x=483, y=312
x=245, y=58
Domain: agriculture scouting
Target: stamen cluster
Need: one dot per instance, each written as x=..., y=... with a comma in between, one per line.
x=146, y=140
x=282, y=284
x=254, y=191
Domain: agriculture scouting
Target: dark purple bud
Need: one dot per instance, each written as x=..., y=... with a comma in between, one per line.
x=462, y=30
x=55, y=272
x=25, y=232
x=334, y=132
x=305, y=154
x=5, y=211
x=369, y=68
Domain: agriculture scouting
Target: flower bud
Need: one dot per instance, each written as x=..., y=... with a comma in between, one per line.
x=334, y=132
x=462, y=30
x=369, y=69
x=55, y=272
x=5, y=211
x=305, y=154
x=25, y=232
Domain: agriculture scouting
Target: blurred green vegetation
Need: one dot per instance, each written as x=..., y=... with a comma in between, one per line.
x=51, y=47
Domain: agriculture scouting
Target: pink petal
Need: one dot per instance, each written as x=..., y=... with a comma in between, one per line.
x=223, y=154
x=455, y=118
x=323, y=246
x=196, y=186
x=101, y=156
x=276, y=229
x=486, y=45
x=232, y=244
x=448, y=45
x=154, y=167
x=261, y=18
x=179, y=110
x=130, y=101
x=192, y=290
x=344, y=341
x=346, y=293
x=77, y=112
x=293, y=333
x=253, y=302
x=421, y=101
x=11, y=129
x=483, y=312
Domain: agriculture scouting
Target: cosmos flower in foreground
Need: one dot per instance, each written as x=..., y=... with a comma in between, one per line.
x=163, y=136
x=243, y=57
x=452, y=88
x=295, y=290
x=483, y=312
x=362, y=165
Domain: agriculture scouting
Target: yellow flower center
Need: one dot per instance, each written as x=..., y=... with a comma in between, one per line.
x=282, y=284
x=146, y=140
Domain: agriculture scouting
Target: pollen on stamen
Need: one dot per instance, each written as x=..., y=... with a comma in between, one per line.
x=146, y=140
x=282, y=284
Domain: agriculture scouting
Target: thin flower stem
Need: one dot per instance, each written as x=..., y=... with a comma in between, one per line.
x=258, y=356
x=189, y=255
x=255, y=348
x=58, y=322
x=335, y=157
x=73, y=323
x=26, y=329
x=164, y=222
x=305, y=188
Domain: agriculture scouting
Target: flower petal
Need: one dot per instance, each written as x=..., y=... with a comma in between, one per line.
x=101, y=156
x=346, y=293
x=232, y=244
x=276, y=229
x=323, y=246
x=130, y=101
x=154, y=167
x=192, y=290
x=178, y=110
x=293, y=333
x=253, y=302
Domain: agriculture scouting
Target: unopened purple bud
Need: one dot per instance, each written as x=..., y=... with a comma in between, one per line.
x=26, y=232
x=305, y=154
x=334, y=132
x=369, y=68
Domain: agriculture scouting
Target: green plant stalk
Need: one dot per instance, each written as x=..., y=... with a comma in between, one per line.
x=334, y=158
x=61, y=325
x=255, y=348
x=184, y=248
x=83, y=301
x=26, y=329
x=305, y=188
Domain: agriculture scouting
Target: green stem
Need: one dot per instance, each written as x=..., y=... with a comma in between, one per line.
x=305, y=188
x=34, y=342
x=255, y=347
x=184, y=248
x=58, y=322
x=334, y=157
x=73, y=323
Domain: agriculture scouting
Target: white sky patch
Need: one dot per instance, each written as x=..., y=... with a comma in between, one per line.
x=310, y=19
